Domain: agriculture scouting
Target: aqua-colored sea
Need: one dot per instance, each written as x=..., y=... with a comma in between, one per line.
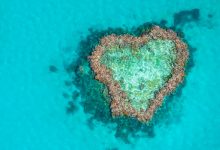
x=40, y=108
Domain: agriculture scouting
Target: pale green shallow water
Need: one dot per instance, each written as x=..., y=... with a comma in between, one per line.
x=35, y=34
x=141, y=72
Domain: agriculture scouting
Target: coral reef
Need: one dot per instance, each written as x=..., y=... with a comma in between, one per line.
x=97, y=105
x=150, y=67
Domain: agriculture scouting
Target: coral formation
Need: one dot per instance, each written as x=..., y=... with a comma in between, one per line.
x=139, y=71
x=186, y=16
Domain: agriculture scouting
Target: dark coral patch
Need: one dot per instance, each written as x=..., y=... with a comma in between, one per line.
x=75, y=95
x=53, y=68
x=163, y=23
x=186, y=16
x=71, y=108
x=68, y=83
x=210, y=15
x=65, y=95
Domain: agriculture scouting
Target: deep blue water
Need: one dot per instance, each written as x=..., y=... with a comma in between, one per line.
x=33, y=99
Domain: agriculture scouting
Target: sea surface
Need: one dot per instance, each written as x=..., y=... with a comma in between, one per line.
x=39, y=38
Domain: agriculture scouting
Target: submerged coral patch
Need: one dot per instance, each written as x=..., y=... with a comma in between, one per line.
x=185, y=16
x=53, y=68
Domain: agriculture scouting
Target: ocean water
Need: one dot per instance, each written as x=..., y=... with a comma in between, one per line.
x=38, y=39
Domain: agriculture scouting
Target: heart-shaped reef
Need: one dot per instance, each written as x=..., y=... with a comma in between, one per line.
x=139, y=71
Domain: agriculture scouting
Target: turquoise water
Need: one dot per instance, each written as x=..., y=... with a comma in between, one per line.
x=37, y=34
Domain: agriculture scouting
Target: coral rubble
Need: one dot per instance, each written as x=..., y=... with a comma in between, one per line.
x=139, y=71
